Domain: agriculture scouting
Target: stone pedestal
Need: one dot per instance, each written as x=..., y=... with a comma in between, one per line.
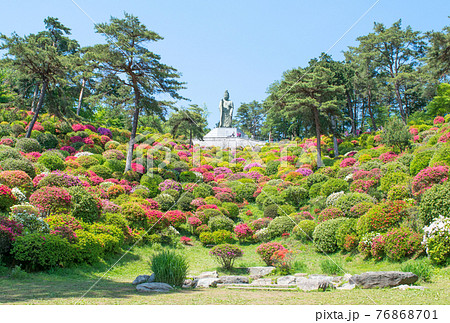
x=227, y=138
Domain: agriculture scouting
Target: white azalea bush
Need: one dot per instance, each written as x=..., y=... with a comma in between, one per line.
x=437, y=239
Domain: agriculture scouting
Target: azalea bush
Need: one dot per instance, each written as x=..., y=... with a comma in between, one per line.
x=266, y=251
x=226, y=254
x=51, y=199
x=436, y=240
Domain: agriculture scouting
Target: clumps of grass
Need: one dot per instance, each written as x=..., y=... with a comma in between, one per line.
x=18, y=273
x=330, y=267
x=299, y=267
x=422, y=268
x=169, y=267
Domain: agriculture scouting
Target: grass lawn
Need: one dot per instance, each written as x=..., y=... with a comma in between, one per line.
x=67, y=285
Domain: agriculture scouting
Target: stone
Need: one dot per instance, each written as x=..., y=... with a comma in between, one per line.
x=209, y=274
x=322, y=277
x=286, y=280
x=188, y=283
x=405, y=287
x=262, y=282
x=346, y=286
x=226, y=108
x=154, y=287
x=207, y=282
x=258, y=272
x=307, y=284
x=141, y=279
x=301, y=275
x=233, y=280
x=381, y=279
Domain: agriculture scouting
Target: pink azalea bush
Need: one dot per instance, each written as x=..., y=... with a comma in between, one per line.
x=428, y=177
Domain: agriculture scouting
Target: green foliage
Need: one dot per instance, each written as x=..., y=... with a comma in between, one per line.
x=420, y=161
x=422, y=268
x=391, y=179
x=401, y=242
x=28, y=145
x=51, y=162
x=325, y=235
x=347, y=227
x=271, y=211
x=19, y=164
x=222, y=236
x=220, y=222
x=226, y=254
x=347, y=201
x=88, y=247
x=169, y=267
x=304, y=230
x=184, y=202
x=84, y=205
x=272, y=167
x=188, y=177
x=295, y=195
x=280, y=225
x=435, y=202
x=165, y=201
x=42, y=251
x=334, y=185
x=102, y=171
x=232, y=209
x=441, y=156
x=47, y=140
x=244, y=192
x=116, y=166
x=396, y=134
x=203, y=190
x=331, y=267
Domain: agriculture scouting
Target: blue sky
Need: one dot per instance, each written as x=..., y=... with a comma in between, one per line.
x=242, y=46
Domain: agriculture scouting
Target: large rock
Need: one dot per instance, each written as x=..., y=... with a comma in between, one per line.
x=262, y=282
x=286, y=280
x=307, y=284
x=188, y=283
x=154, y=287
x=207, y=282
x=233, y=280
x=209, y=274
x=383, y=279
x=258, y=272
x=144, y=279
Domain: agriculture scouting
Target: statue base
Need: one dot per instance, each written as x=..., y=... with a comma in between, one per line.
x=227, y=138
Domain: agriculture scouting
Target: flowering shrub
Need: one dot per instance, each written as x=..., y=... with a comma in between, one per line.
x=30, y=222
x=324, y=235
x=402, y=242
x=282, y=260
x=266, y=251
x=304, y=171
x=51, y=199
x=261, y=223
x=388, y=157
x=436, y=239
x=365, y=244
x=66, y=233
x=170, y=184
x=346, y=162
x=304, y=230
x=84, y=205
x=9, y=231
x=377, y=249
x=435, y=202
x=226, y=254
x=176, y=218
x=185, y=240
x=16, y=178
x=57, y=179
x=359, y=209
x=438, y=120
x=114, y=191
x=428, y=177
x=330, y=213
x=7, y=198
x=382, y=217
x=243, y=231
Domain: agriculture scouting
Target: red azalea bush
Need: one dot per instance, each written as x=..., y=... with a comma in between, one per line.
x=266, y=250
x=388, y=157
x=438, y=120
x=66, y=233
x=9, y=230
x=377, y=249
x=261, y=223
x=351, y=242
x=51, y=199
x=243, y=231
x=282, y=260
x=347, y=162
x=7, y=199
x=362, y=186
x=16, y=178
x=185, y=240
x=330, y=213
x=176, y=218
x=194, y=222
x=428, y=177
x=114, y=191
x=401, y=243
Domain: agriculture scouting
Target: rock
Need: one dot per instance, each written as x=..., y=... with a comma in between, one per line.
x=346, y=277
x=154, y=287
x=322, y=277
x=262, y=282
x=383, y=279
x=405, y=287
x=301, y=275
x=207, y=282
x=286, y=280
x=258, y=272
x=233, y=280
x=188, y=283
x=346, y=286
x=307, y=284
x=209, y=274
x=141, y=279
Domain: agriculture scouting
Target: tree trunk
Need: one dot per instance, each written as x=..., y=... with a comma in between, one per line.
x=33, y=103
x=319, y=148
x=335, y=143
x=80, y=98
x=350, y=111
x=38, y=108
x=400, y=102
x=369, y=108
x=363, y=115
x=133, y=131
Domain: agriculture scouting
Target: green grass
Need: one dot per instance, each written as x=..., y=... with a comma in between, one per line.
x=67, y=285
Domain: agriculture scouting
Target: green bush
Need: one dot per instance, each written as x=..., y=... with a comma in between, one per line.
x=347, y=201
x=441, y=156
x=391, y=179
x=135, y=215
x=436, y=240
x=169, y=267
x=6, y=153
x=184, y=202
x=271, y=211
x=206, y=238
x=232, y=209
x=402, y=242
x=304, y=230
x=330, y=267
x=220, y=223
x=420, y=161
x=381, y=217
x=19, y=164
x=188, y=177
x=396, y=134
x=28, y=145
x=325, y=235
x=315, y=189
x=88, y=161
x=222, y=236
x=316, y=178
x=272, y=167
x=245, y=192
x=84, y=205
x=334, y=185
x=42, y=251
x=347, y=227
x=51, y=162
x=295, y=195
x=151, y=182
x=203, y=190
x=226, y=254
x=88, y=247
x=48, y=141
x=165, y=201
x=435, y=202
x=280, y=225
x=115, y=165
x=102, y=171
x=285, y=210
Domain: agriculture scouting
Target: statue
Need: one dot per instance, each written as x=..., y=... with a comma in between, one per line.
x=226, y=108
